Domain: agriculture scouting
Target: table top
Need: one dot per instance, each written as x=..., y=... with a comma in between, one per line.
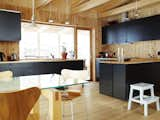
x=44, y=81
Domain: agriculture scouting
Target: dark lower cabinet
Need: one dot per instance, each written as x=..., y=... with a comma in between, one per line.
x=35, y=68
x=106, y=79
x=115, y=79
x=119, y=85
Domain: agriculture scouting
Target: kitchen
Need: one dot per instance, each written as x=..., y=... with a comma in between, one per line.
x=144, y=49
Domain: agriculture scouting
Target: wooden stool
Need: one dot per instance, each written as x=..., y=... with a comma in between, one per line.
x=143, y=99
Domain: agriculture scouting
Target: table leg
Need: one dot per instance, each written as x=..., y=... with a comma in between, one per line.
x=36, y=111
x=54, y=98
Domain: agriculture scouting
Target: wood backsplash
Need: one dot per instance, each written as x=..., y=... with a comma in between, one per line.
x=144, y=49
x=9, y=47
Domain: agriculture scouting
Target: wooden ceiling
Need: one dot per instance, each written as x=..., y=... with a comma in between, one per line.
x=85, y=8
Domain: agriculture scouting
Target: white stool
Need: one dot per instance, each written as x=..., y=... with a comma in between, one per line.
x=143, y=99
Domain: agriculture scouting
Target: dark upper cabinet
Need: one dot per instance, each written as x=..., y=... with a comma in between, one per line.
x=114, y=34
x=106, y=77
x=132, y=31
x=104, y=35
x=121, y=33
x=111, y=34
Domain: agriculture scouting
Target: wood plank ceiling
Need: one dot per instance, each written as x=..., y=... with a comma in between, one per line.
x=61, y=9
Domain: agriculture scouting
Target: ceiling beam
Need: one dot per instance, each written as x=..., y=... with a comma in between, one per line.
x=111, y=4
x=88, y=5
x=43, y=3
x=128, y=7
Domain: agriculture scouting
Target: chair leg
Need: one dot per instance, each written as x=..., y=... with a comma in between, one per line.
x=130, y=97
x=157, y=105
x=152, y=92
x=71, y=103
x=145, y=109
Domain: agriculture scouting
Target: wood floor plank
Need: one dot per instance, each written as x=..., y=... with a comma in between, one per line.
x=101, y=107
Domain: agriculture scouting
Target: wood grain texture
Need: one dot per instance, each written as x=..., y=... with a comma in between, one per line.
x=17, y=105
x=133, y=61
x=128, y=7
x=54, y=100
x=144, y=49
x=9, y=47
x=101, y=107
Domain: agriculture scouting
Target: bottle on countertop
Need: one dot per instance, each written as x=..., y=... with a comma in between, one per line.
x=120, y=55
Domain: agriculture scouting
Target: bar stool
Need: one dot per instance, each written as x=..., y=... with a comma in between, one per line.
x=141, y=98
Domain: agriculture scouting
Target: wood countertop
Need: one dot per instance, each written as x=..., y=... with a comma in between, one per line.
x=39, y=60
x=132, y=61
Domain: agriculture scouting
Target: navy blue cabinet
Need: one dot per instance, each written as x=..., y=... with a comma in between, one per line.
x=115, y=79
x=132, y=31
x=106, y=81
x=36, y=68
x=114, y=34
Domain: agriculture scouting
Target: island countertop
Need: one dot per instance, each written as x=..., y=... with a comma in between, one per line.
x=39, y=60
x=132, y=61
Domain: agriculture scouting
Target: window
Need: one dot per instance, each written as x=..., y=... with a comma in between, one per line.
x=43, y=40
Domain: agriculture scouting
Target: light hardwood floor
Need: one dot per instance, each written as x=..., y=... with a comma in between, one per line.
x=101, y=107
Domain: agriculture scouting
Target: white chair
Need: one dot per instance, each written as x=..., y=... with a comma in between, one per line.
x=73, y=91
x=143, y=99
x=6, y=74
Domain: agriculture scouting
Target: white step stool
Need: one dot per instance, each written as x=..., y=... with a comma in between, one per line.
x=143, y=99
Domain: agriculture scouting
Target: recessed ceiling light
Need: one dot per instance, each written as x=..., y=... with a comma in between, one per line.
x=67, y=22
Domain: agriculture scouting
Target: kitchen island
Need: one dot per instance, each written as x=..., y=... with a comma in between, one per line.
x=41, y=66
x=116, y=77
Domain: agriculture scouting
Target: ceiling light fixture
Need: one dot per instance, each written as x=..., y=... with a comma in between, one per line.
x=136, y=14
x=68, y=8
x=33, y=13
x=49, y=19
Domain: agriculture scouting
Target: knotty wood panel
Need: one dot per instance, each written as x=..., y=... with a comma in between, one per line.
x=9, y=47
x=139, y=49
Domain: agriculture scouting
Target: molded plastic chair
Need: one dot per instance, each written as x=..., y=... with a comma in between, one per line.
x=6, y=74
x=17, y=105
x=76, y=90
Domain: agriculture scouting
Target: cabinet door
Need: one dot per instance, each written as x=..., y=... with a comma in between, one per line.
x=97, y=68
x=119, y=81
x=75, y=65
x=121, y=33
x=105, y=82
x=134, y=31
x=22, y=69
x=104, y=35
x=116, y=33
x=4, y=67
x=112, y=34
x=153, y=27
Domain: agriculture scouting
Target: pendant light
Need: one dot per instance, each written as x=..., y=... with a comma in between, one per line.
x=136, y=14
x=68, y=8
x=33, y=13
x=49, y=19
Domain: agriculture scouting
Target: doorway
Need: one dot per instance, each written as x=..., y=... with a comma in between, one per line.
x=84, y=47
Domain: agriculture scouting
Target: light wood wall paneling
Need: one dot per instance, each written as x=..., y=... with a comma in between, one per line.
x=139, y=49
x=128, y=7
x=9, y=47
